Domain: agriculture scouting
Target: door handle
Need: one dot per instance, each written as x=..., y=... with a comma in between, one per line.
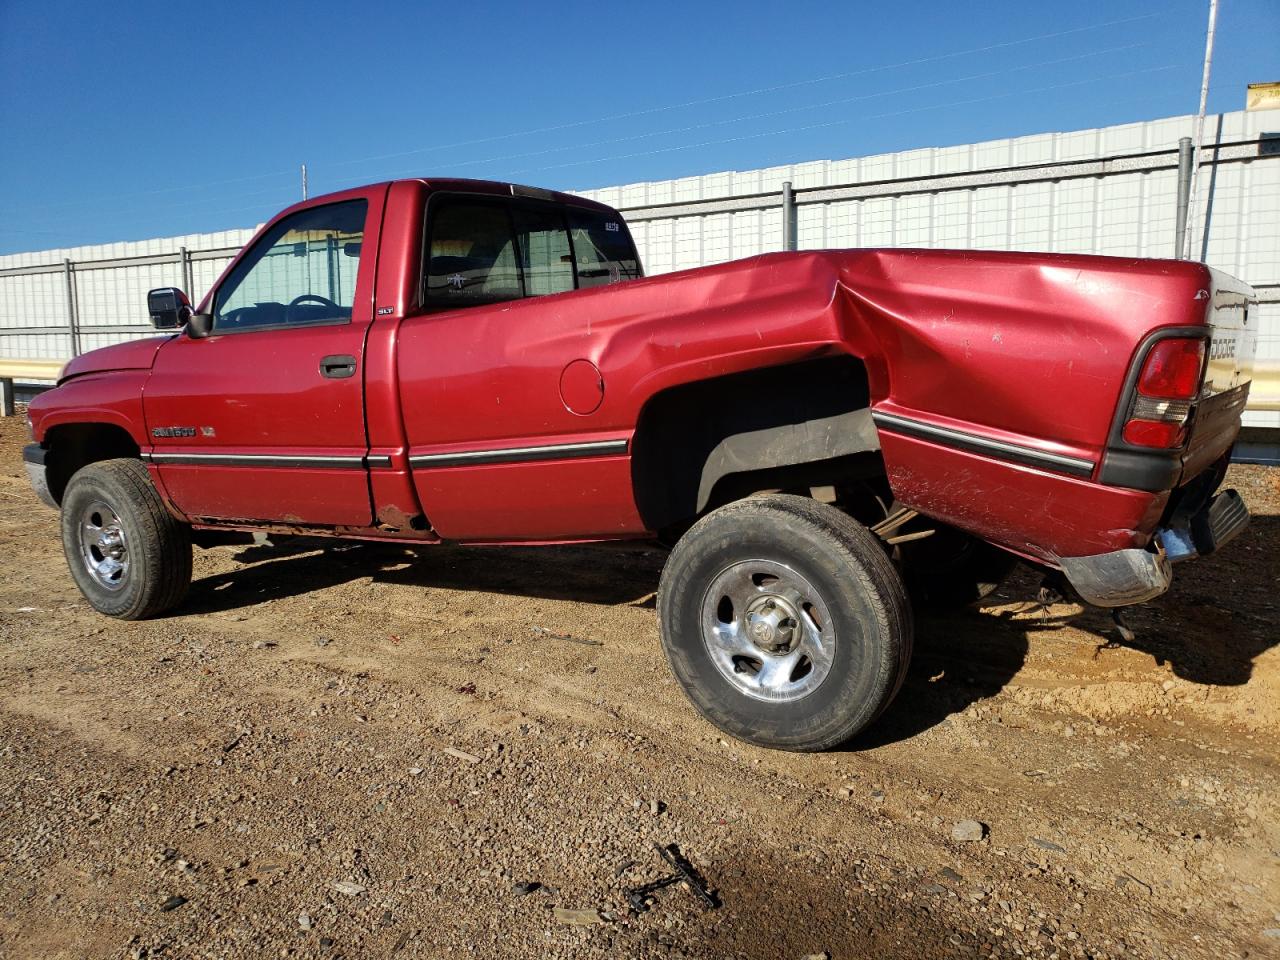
x=338, y=366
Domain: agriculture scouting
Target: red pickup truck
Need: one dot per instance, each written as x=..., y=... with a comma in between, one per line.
x=816, y=436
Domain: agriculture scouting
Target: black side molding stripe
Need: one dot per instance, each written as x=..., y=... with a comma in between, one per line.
x=555, y=451
x=963, y=440
x=558, y=451
x=258, y=460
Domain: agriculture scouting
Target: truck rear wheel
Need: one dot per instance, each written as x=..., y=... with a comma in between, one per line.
x=785, y=622
x=130, y=558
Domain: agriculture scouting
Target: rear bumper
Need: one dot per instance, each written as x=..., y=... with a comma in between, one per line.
x=1125, y=577
x=1119, y=578
x=33, y=459
x=1208, y=530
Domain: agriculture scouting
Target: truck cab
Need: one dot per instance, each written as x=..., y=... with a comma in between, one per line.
x=295, y=380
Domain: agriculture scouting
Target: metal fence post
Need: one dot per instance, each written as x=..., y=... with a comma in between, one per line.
x=184, y=257
x=788, y=217
x=73, y=321
x=1184, y=196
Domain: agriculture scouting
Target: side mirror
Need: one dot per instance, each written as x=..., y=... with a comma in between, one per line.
x=169, y=308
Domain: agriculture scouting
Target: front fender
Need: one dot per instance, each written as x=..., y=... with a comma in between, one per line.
x=113, y=398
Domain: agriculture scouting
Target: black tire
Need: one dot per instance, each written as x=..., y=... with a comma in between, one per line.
x=868, y=637
x=952, y=569
x=117, y=496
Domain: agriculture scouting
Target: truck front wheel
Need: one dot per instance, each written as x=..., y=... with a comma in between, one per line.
x=130, y=558
x=785, y=622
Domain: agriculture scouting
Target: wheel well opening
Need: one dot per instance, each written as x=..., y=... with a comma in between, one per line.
x=75, y=445
x=791, y=427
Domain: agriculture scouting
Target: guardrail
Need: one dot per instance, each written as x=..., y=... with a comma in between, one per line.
x=11, y=370
x=1264, y=393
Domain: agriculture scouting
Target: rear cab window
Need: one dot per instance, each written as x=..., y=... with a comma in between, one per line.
x=471, y=255
x=484, y=250
x=545, y=255
x=603, y=249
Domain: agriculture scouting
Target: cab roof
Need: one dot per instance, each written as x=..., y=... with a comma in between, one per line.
x=503, y=189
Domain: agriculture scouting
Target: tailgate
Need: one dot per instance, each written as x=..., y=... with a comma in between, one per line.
x=1232, y=318
x=1235, y=335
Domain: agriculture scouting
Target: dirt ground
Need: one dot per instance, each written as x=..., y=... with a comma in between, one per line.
x=358, y=751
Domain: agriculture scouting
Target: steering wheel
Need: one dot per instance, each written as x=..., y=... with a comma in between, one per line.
x=235, y=317
x=314, y=298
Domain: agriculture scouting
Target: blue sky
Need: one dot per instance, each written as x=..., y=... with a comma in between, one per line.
x=146, y=119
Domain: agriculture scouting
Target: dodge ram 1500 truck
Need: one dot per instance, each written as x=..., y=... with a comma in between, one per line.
x=816, y=435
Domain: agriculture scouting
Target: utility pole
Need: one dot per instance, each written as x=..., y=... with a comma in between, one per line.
x=1199, y=132
x=304, y=181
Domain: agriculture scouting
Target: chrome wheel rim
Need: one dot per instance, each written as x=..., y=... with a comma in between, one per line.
x=103, y=546
x=768, y=631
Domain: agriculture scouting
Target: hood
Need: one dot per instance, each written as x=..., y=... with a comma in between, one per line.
x=131, y=355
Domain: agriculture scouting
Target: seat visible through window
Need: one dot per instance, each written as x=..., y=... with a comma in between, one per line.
x=472, y=256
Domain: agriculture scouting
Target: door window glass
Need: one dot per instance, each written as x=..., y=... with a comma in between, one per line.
x=602, y=247
x=544, y=250
x=302, y=271
x=471, y=255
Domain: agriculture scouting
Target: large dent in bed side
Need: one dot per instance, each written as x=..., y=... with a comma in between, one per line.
x=1033, y=348
x=1030, y=344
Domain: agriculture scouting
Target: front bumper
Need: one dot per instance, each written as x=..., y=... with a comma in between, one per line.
x=33, y=459
x=1125, y=577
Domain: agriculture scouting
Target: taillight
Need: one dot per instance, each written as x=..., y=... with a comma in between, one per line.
x=1153, y=433
x=1167, y=385
x=1172, y=370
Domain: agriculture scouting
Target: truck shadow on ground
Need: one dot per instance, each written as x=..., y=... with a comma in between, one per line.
x=959, y=658
x=1218, y=618
x=607, y=575
x=1209, y=629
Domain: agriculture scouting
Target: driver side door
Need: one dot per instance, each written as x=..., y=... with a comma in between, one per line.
x=263, y=420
